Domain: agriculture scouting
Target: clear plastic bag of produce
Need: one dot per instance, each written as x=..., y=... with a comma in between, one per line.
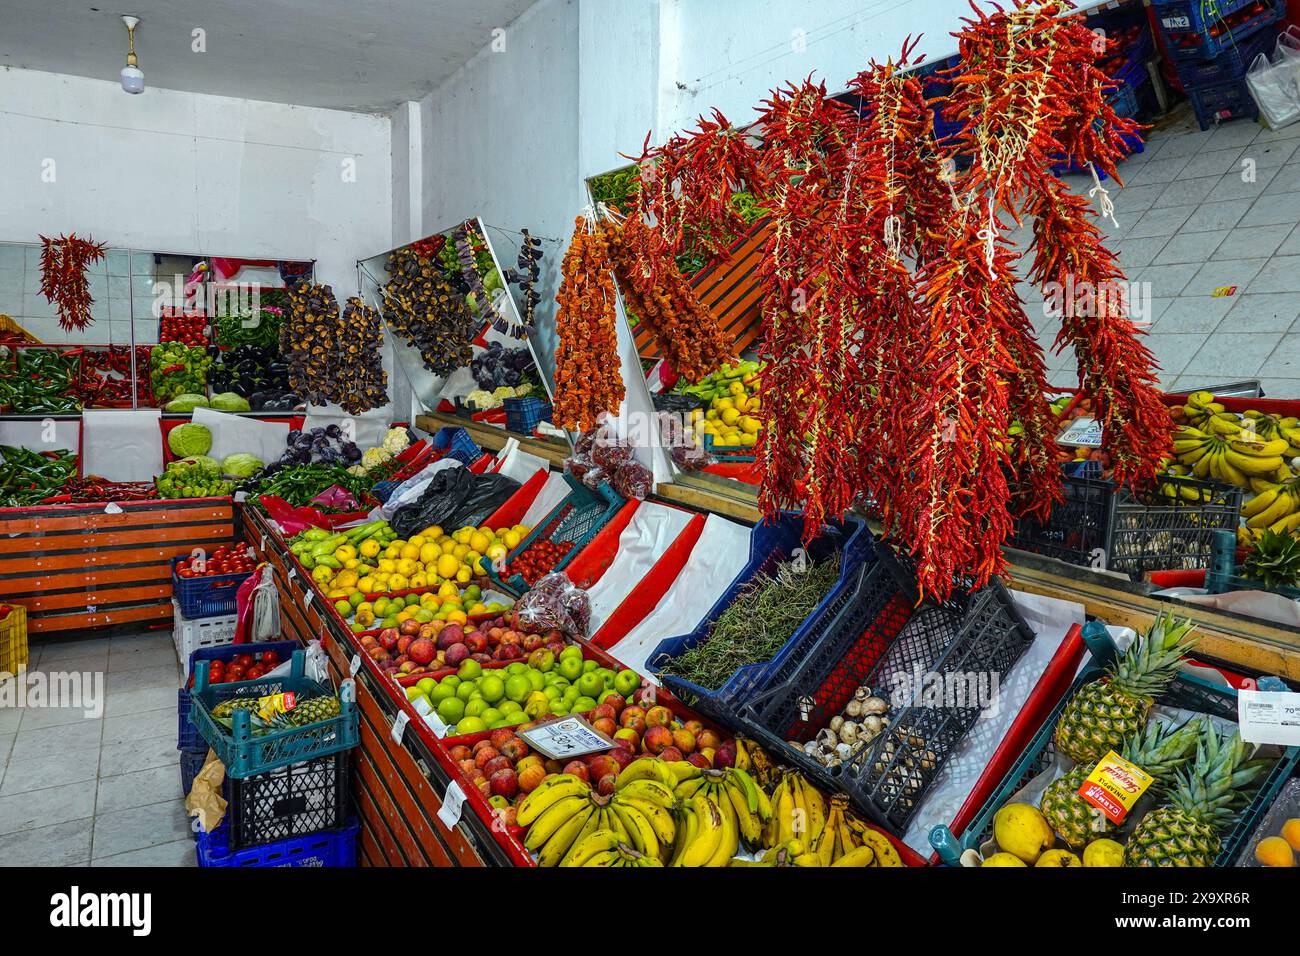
x=453, y=499
x=555, y=603
x=633, y=480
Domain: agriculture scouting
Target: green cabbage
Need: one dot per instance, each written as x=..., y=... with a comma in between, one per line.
x=241, y=465
x=186, y=403
x=189, y=439
x=229, y=402
x=201, y=460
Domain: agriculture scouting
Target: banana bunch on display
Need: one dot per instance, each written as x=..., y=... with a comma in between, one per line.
x=753, y=758
x=1245, y=450
x=845, y=841
x=745, y=809
x=838, y=846
x=605, y=848
x=564, y=814
x=798, y=811
x=1276, y=507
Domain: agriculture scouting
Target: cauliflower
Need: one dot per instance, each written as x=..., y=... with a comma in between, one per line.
x=502, y=393
x=480, y=399
x=396, y=441
x=374, y=457
x=358, y=470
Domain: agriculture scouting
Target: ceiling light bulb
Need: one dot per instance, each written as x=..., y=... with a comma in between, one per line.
x=132, y=76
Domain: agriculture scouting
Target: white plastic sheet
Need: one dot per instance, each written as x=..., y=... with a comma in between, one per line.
x=1275, y=84
x=121, y=445
x=232, y=434
x=652, y=529
x=1259, y=604
x=1050, y=620
x=519, y=465
x=411, y=489
x=718, y=556
x=553, y=492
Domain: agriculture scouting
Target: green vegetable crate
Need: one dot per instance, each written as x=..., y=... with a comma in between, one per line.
x=245, y=754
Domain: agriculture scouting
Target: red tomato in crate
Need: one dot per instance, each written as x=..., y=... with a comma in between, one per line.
x=217, y=671
x=234, y=673
x=244, y=660
x=271, y=659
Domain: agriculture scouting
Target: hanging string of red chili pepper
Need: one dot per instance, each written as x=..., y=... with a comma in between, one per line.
x=63, y=278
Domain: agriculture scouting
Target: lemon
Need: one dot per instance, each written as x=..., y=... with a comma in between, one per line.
x=463, y=535
x=447, y=567
x=448, y=546
x=730, y=416
x=387, y=565
x=722, y=404
x=479, y=542
x=397, y=582
x=419, y=581
x=417, y=540
x=464, y=574
x=736, y=388
x=511, y=540
x=497, y=552
x=521, y=530
x=1022, y=831
x=366, y=584
x=460, y=550
x=432, y=533
x=749, y=441
x=457, y=617
x=410, y=552
x=750, y=425
x=406, y=567
x=1101, y=853
x=1058, y=858
x=369, y=548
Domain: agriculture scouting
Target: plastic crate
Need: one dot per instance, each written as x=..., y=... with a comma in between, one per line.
x=1189, y=25
x=187, y=735
x=576, y=519
x=1223, y=102
x=1222, y=575
x=244, y=754
x=1187, y=692
x=770, y=543
x=1230, y=64
x=882, y=637
x=191, y=762
x=212, y=595
x=1104, y=525
x=189, y=636
x=525, y=414
x=14, y=652
x=729, y=453
x=297, y=800
x=383, y=490
x=456, y=443
x=337, y=848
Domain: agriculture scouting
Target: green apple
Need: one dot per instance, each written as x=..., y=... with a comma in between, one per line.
x=607, y=676
x=626, y=681
x=414, y=691
x=344, y=609
x=470, y=725
x=441, y=693
x=466, y=690
x=518, y=687
x=493, y=687
x=582, y=705
x=469, y=669
x=535, y=679
x=559, y=708
x=426, y=684
x=475, y=707
x=589, y=666
x=501, y=722
x=491, y=716
x=572, y=650
x=516, y=667
x=451, y=710
x=451, y=680
x=509, y=707
x=590, y=685
x=570, y=668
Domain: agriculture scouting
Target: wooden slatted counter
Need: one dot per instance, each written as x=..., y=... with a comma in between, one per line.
x=80, y=566
x=399, y=786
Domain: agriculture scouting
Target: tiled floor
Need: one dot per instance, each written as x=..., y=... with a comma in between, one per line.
x=104, y=791
x=1201, y=211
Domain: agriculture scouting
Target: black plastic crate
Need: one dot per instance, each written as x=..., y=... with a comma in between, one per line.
x=296, y=800
x=1104, y=525
x=883, y=640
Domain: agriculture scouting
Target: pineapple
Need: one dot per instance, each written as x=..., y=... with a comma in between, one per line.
x=1105, y=713
x=226, y=709
x=314, y=710
x=1274, y=560
x=1203, y=800
x=1158, y=749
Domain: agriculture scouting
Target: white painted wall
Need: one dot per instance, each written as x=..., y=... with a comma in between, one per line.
x=190, y=173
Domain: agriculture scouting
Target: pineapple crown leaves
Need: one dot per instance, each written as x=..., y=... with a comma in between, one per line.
x=1274, y=560
x=1218, y=782
x=1153, y=660
x=1160, y=748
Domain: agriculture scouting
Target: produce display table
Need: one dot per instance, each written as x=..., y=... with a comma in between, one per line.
x=79, y=566
x=400, y=786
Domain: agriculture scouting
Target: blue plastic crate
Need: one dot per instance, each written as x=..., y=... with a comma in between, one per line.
x=1231, y=64
x=191, y=762
x=456, y=443
x=245, y=754
x=770, y=543
x=576, y=519
x=187, y=736
x=332, y=848
x=1222, y=575
x=525, y=414
x=1187, y=692
x=731, y=453
x=208, y=596
x=1223, y=102
x=1189, y=25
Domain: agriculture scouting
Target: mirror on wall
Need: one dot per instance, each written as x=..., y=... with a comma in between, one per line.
x=458, y=306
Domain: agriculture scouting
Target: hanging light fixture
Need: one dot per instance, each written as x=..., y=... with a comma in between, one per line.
x=132, y=75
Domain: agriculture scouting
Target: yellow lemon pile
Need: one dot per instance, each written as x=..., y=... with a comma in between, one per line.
x=729, y=419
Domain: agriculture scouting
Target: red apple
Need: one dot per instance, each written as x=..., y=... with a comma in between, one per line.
x=429, y=631
x=530, y=776
x=421, y=650
x=602, y=764
x=694, y=726
x=555, y=647
x=629, y=712
x=467, y=765
x=455, y=654
x=460, y=752
x=389, y=637
x=531, y=642
x=500, y=736
x=603, y=710
x=684, y=740
x=578, y=769
x=621, y=756
x=699, y=760
x=634, y=722
x=499, y=762
x=605, y=725
x=485, y=756
x=627, y=738
x=403, y=643
x=659, y=716
x=607, y=784
x=449, y=635
x=409, y=626
x=657, y=739
x=510, y=637
x=532, y=760
x=553, y=766
x=644, y=696
x=504, y=782
x=476, y=776
x=705, y=738
x=672, y=755
x=506, y=817
x=725, y=756
x=476, y=642
x=514, y=748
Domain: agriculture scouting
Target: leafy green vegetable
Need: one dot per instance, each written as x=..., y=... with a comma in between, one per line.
x=189, y=439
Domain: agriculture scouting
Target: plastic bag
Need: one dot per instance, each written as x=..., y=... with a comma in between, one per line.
x=610, y=454
x=633, y=480
x=453, y=499
x=555, y=603
x=411, y=489
x=293, y=520
x=257, y=605
x=1275, y=84
x=335, y=497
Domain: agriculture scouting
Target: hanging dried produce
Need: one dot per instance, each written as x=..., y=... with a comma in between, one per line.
x=527, y=274
x=421, y=308
x=588, y=381
x=63, y=278
x=687, y=333
x=334, y=357
x=486, y=286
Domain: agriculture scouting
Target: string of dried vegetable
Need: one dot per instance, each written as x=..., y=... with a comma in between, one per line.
x=588, y=380
x=469, y=247
x=527, y=275
x=63, y=278
x=687, y=333
x=423, y=310
x=334, y=357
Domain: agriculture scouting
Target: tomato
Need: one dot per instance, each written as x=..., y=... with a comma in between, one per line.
x=244, y=660
x=217, y=670
x=185, y=573
x=235, y=672
x=270, y=658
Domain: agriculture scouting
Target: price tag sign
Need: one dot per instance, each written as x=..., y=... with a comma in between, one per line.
x=1114, y=786
x=306, y=599
x=1269, y=717
x=293, y=573
x=241, y=497
x=566, y=738
x=452, y=803
x=112, y=509
x=355, y=666
x=399, y=726
x=1084, y=432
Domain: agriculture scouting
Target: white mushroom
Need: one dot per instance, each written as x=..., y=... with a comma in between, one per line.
x=826, y=737
x=872, y=725
x=853, y=708
x=875, y=705
x=836, y=723
x=849, y=732
x=844, y=751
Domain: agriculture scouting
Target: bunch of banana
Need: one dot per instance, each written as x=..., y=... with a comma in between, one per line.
x=791, y=853
x=564, y=811
x=884, y=853
x=1230, y=458
x=837, y=842
x=798, y=811
x=606, y=848
x=752, y=757
x=708, y=835
x=1275, y=506
x=1200, y=407
x=737, y=796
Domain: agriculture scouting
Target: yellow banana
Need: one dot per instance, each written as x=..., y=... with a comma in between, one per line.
x=1231, y=474
x=816, y=806
x=1264, y=448
x=1288, y=524
x=1281, y=506
x=862, y=856
x=552, y=819
x=662, y=820
x=824, y=845
x=557, y=847
x=1203, y=466
x=593, y=824
x=1261, y=502
x=710, y=827
x=742, y=755
x=1253, y=464
x=549, y=792
x=647, y=770
x=679, y=770
x=1225, y=424
x=604, y=858
x=1200, y=399
x=730, y=841
x=644, y=838
x=784, y=811
x=746, y=819
x=650, y=790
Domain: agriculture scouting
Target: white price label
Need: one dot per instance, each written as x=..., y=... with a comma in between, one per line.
x=1084, y=432
x=293, y=573
x=263, y=547
x=452, y=802
x=306, y=599
x=566, y=738
x=1269, y=717
x=399, y=726
x=241, y=497
x=355, y=666
x=112, y=509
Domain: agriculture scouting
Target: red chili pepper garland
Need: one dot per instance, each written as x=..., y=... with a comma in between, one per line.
x=63, y=278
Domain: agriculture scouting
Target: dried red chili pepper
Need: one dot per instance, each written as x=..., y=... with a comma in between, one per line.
x=63, y=277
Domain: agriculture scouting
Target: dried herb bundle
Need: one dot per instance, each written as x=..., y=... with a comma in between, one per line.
x=422, y=308
x=63, y=278
x=334, y=357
